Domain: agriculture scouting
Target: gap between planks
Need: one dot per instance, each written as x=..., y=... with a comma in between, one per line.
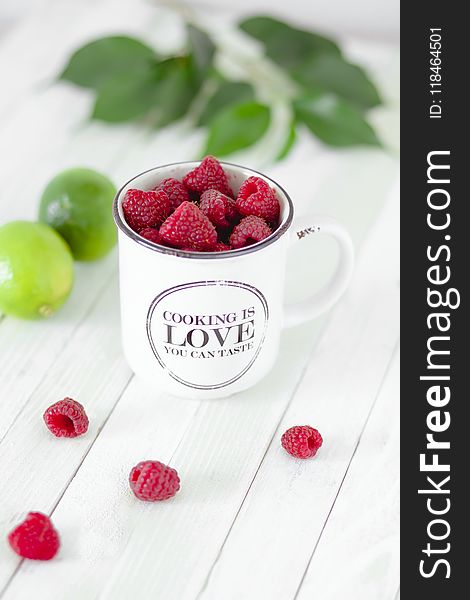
x=340, y=487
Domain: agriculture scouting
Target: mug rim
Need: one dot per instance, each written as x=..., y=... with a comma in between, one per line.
x=275, y=235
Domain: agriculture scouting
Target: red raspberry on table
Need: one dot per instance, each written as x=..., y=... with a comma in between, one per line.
x=66, y=418
x=209, y=175
x=189, y=228
x=301, y=441
x=219, y=208
x=175, y=191
x=151, y=480
x=255, y=197
x=145, y=209
x=35, y=538
x=249, y=231
x=151, y=234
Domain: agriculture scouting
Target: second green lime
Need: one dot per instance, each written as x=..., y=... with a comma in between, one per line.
x=78, y=204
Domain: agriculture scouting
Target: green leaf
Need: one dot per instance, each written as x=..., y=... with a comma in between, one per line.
x=126, y=97
x=201, y=50
x=334, y=74
x=227, y=94
x=288, y=143
x=102, y=60
x=176, y=89
x=334, y=121
x=237, y=127
x=164, y=92
x=286, y=45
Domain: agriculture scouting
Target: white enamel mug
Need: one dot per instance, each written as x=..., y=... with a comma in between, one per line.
x=207, y=325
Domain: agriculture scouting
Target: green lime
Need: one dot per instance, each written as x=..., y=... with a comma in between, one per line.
x=36, y=270
x=78, y=204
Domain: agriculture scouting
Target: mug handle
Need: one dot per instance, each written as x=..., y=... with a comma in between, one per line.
x=305, y=228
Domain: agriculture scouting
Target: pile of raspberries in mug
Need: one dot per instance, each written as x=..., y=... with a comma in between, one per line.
x=201, y=213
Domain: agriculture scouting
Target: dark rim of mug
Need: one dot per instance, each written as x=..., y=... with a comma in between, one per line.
x=124, y=227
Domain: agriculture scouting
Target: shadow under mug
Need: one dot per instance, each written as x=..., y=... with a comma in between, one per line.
x=208, y=324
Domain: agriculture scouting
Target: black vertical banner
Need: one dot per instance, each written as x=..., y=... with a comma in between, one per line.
x=435, y=259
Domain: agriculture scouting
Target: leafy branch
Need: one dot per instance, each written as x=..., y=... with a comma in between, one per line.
x=326, y=93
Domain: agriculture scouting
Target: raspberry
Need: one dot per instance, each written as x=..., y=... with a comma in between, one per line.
x=189, y=228
x=152, y=234
x=175, y=191
x=66, y=418
x=249, y=231
x=145, y=209
x=301, y=441
x=35, y=538
x=219, y=208
x=221, y=247
x=255, y=197
x=151, y=480
x=209, y=175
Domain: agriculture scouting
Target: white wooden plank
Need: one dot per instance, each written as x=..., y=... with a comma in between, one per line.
x=35, y=467
x=273, y=536
x=362, y=532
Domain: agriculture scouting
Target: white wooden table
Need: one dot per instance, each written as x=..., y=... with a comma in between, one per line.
x=250, y=522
